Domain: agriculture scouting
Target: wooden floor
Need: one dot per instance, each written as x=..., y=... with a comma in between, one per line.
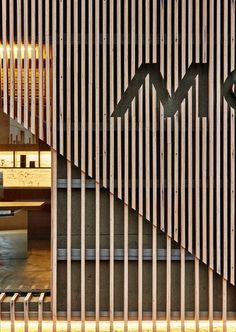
x=30, y=274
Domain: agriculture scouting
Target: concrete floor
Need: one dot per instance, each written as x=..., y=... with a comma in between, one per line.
x=33, y=273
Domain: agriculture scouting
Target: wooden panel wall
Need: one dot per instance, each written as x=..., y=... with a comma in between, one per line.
x=72, y=65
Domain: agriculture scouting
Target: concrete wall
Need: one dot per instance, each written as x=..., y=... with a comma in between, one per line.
x=119, y=264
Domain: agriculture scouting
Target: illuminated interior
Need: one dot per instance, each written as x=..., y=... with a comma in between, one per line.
x=25, y=187
x=16, y=50
x=119, y=326
x=26, y=169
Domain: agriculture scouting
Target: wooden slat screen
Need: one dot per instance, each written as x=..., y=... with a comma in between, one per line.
x=178, y=173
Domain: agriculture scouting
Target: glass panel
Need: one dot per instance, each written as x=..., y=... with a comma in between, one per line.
x=45, y=158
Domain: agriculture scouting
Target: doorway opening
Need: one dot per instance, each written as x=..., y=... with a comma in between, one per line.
x=25, y=210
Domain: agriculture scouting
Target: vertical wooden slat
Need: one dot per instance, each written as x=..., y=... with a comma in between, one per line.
x=182, y=175
x=197, y=293
x=83, y=246
x=33, y=67
x=26, y=311
x=218, y=135
x=133, y=105
x=232, y=152
x=154, y=175
x=54, y=76
x=76, y=83
x=183, y=70
x=168, y=128
x=224, y=304
x=40, y=41
x=26, y=66
x=162, y=161
x=169, y=220
x=40, y=312
x=54, y=237
x=176, y=122
x=126, y=169
x=204, y=145
x=90, y=88
x=204, y=190
x=225, y=169
x=210, y=299
x=140, y=172
x=83, y=138
x=190, y=132
x=197, y=172
x=104, y=93
x=111, y=162
x=211, y=161
x=48, y=81
x=211, y=133
x=12, y=310
x=12, y=62
x=4, y=39
x=61, y=76
x=147, y=112
x=97, y=172
x=225, y=146
x=119, y=73
x=169, y=173
x=2, y=297
x=19, y=61
x=68, y=256
x=68, y=154
x=68, y=80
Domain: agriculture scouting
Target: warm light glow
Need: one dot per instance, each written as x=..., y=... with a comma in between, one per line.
x=119, y=326
x=15, y=51
x=26, y=177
